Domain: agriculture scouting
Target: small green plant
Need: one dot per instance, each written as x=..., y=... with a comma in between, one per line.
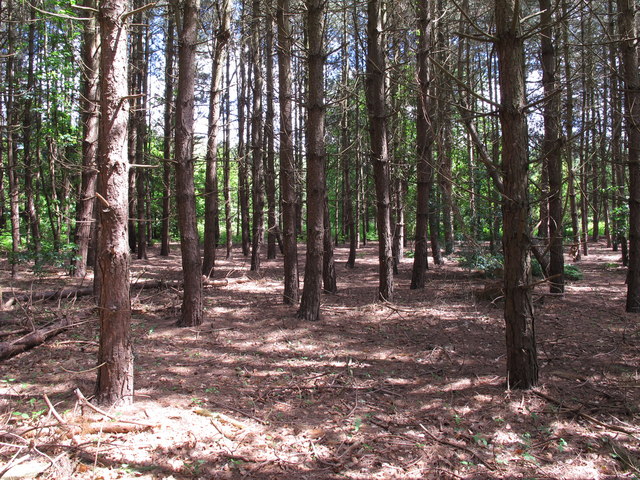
x=561, y=445
x=482, y=260
x=357, y=424
x=211, y=390
x=480, y=440
x=194, y=468
x=571, y=272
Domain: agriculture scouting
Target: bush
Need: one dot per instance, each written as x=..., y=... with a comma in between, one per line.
x=488, y=263
x=571, y=272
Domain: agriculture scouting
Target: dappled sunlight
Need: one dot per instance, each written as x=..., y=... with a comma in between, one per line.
x=373, y=390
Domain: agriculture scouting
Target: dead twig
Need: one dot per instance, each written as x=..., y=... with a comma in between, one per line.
x=83, y=400
x=53, y=410
x=589, y=418
x=459, y=447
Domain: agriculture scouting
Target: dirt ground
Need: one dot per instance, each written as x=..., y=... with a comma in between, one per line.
x=409, y=390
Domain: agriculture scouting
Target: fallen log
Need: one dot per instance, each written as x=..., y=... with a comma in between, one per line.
x=74, y=292
x=33, y=339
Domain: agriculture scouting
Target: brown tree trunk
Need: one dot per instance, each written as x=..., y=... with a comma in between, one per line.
x=569, y=120
x=227, y=165
x=90, y=121
x=168, y=133
x=12, y=168
x=30, y=205
x=287, y=160
x=316, y=160
x=191, y=314
x=376, y=106
x=629, y=53
x=257, y=170
x=243, y=168
x=329, y=280
x=211, y=214
x=425, y=135
x=551, y=149
x=269, y=164
x=115, y=356
x=522, y=361
x=140, y=128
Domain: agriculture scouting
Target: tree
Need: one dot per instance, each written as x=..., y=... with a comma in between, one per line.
x=629, y=54
x=256, y=140
x=115, y=356
x=376, y=107
x=522, y=358
x=551, y=150
x=167, y=131
x=211, y=215
x=316, y=160
x=90, y=124
x=287, y=159
x=425, y=135
x=191, y=314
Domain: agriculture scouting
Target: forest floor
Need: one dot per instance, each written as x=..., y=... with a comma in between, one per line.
x=409, y=390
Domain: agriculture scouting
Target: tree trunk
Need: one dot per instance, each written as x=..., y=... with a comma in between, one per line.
x=227, y=165
x=329, y=280
x=115, y=356
x=12, y=167
x=30, y=205
x=243, y=168
x=425, y=135
x=522, y=362
x=316, y=160
x=551, y=149
x=211, y=214
x=287, y=160
x=629, y=54
x=140, y=128
x=569, y=120
x=90, y=121
x=168, y=133
x=269, y=164
x=185, y=192
x=376, y=106
x=257, y=230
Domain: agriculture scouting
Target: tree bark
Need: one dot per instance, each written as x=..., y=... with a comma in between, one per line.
x=551, y=148
x=376, y=107
x=168, y=133
x=211, y=214
x=90, y=120
x=257, y=230
x=273, y=235
x=115, y=356
x=12, y=168
x=629, y=53
x=287, y=160
x=316, y=161
x=425, y=136
x=191, y=314
x=27, y=156
x=522, y=362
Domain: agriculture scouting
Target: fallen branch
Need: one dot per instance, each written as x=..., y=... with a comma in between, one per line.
x=223, y=282
x=83, y=401
x=459, y=447
x=589, y=418
x=33, y=339
x=74, y=292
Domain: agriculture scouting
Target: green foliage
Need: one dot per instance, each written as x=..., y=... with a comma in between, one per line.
x=482, y=260
x=47, y=257
x=536, y=268
x=571, y=272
